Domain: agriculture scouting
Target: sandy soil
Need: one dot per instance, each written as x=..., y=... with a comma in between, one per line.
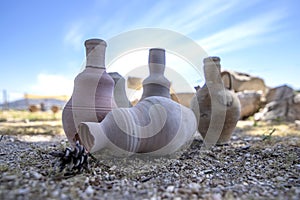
x=262, y=161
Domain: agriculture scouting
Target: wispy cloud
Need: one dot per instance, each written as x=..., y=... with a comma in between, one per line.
x=189, y=17
x=244, y=34
x=195, y=15
x=180, y=16
x=75, y=36
x=183, y=17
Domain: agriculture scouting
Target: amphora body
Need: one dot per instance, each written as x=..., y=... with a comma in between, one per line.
x=217, y=108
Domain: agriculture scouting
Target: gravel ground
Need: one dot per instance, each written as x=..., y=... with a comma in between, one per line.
x=250, y=167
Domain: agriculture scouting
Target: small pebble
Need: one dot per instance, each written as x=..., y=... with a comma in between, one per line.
x=9, y=178
x=89, y=190
x=194, y=187
x=279, y=178
x=217, y=196
x=23, y=191
x=177, y=198
x=36, y=175
x=113, y=168
x=184, y=191
x=55, y=193
x=170, y=188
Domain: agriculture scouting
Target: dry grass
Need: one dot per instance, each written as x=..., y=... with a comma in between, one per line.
x=23, y=115
x=260, y=128
x=24, y=124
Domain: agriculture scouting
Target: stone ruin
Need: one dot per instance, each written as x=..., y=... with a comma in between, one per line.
x=264, y=103
x=282, y=103
x=250, y=91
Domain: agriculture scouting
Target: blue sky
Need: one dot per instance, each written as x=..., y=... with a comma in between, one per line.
x=42, y=41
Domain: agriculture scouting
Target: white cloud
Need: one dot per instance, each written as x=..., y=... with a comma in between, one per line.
x=52, y=84
x=15, y=95
x=10, y=96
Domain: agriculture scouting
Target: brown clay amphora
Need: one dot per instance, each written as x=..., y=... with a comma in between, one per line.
x=217, y=109
x=92, y=96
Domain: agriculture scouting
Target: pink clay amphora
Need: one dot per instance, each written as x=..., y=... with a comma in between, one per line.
x=92, y=96
x=156, y=84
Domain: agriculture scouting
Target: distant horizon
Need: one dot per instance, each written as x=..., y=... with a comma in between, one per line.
x=69, y=96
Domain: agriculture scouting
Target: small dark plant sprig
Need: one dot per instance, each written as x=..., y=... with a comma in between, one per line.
x=269, y=135
x=72, y=161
